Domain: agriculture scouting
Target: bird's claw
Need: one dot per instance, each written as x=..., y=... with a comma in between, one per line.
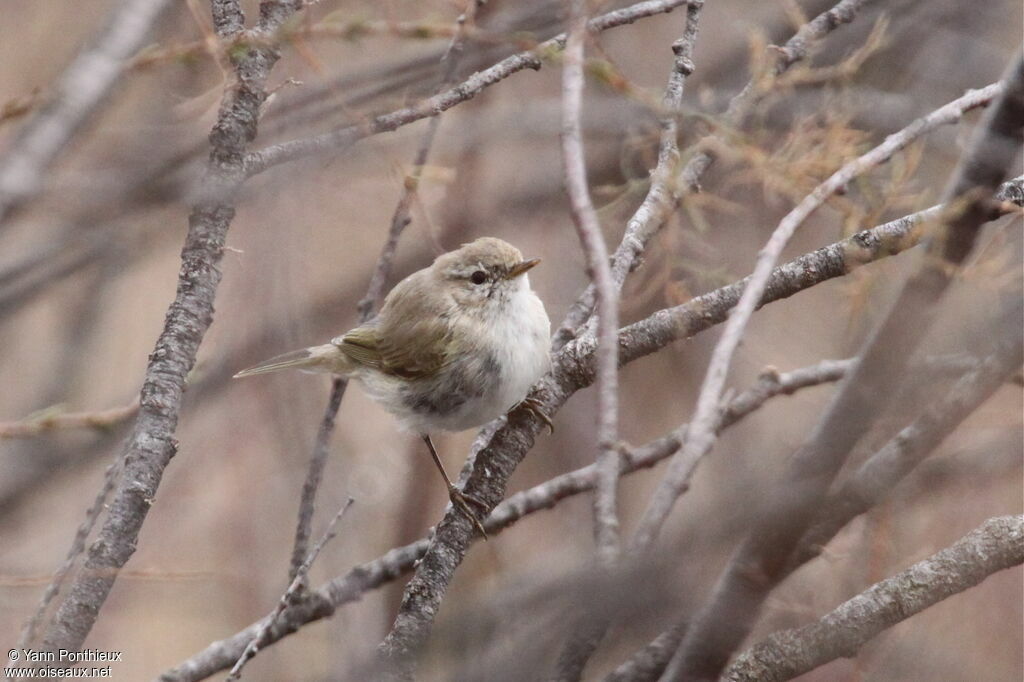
x=532, y=405
x=462, y=502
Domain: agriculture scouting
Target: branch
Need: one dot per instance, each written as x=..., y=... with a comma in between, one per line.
x=257, y=162
x=79, y=91
x=728, y=616
x=588, y=229
x=701, y=436
x=149, y=449
x=996, y=545
x=605, y=286
x=668, y=186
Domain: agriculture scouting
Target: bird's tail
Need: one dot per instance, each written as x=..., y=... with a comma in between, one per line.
x=326, y=358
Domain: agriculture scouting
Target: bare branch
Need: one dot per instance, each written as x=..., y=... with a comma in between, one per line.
x=996, y=545
x=259, y=161
x=701, y=436
x=149, y=449
x=727, y=618
x=606, y=285
x=290, y=597
x=80, y=90
x=588, y=229
x=546, y=495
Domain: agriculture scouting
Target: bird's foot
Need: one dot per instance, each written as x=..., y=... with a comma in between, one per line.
x=464, y=502
x=532, y=405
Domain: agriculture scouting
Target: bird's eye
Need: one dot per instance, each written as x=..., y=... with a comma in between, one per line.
x=478, y=277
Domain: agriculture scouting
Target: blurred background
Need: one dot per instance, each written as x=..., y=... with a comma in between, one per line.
x=88, y=268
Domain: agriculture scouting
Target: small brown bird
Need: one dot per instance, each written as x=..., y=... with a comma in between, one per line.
x=454, y=346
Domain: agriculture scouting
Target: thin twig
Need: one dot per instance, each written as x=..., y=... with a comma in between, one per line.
x=700, y=438
x=290, y=597
x=994, y=546
x=51, y=420
x=81, y=88
x=259, y=161
x=726, y=619
x=588, y=229
x=606, y=284
x=149, y=449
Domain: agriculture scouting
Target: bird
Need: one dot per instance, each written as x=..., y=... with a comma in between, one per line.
x=454, y=346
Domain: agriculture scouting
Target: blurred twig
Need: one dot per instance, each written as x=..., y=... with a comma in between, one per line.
x=82, y=88
x=996, y=545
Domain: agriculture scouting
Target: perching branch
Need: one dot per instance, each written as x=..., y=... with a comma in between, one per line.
x=728, y=616
x=79, y=91
x=150, y=447
x=546, y=495
x=994, y=546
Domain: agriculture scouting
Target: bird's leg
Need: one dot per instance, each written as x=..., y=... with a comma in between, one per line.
x=532, y=405
x=459, y=499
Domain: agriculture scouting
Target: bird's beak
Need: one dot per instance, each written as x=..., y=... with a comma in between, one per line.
x=521, y=268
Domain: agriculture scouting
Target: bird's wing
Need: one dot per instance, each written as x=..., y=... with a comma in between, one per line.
x=410, y=337
x=360, y=346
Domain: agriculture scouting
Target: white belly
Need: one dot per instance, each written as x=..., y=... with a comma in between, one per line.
x=512, y=354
